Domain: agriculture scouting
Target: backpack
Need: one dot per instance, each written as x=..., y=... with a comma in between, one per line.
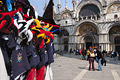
x=92, y=55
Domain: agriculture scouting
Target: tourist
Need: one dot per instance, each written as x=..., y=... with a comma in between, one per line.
x=88, y=52
x=83, y=55
x=95, y=52
x=91, y=60
x=71, y=52
x=103, y=61
x=118, y=55
x=112, y=54
x=115, y=55
x=99, y=56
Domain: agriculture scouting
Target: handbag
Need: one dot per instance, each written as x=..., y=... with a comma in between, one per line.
x=92, y=55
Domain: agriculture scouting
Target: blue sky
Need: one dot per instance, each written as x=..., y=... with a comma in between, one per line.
x=39, y=5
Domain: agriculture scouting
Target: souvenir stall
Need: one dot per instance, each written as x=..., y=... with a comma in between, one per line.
x=26, y=41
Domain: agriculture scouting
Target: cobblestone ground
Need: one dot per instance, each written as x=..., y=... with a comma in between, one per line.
x=68, y=67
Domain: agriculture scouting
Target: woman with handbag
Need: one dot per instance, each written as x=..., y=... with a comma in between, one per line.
x=91, y=60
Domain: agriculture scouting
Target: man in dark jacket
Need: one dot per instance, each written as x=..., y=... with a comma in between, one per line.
x=99, y=56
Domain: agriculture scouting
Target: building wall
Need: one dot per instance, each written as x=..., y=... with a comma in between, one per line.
x=72, y=25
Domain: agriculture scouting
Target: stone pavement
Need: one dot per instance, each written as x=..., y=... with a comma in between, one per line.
x=72, y=68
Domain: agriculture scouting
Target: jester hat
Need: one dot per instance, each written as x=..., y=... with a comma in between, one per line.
x=7, y=22
x=23, y=27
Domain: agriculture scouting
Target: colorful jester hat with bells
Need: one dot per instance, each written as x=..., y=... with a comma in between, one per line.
x=24, y=31
x=7, y=22
x=47, y=27
x=41, y=34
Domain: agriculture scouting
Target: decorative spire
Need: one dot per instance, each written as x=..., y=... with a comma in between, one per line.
x=74, y=3
x=65, y=3
x=59, y=2
x=59, y=5
x=104, y=3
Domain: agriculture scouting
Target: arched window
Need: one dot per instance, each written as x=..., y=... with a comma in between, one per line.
x=89, y=10
x=64, y=33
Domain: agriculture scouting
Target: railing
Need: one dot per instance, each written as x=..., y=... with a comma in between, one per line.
x=98, y=19
x=91, y=17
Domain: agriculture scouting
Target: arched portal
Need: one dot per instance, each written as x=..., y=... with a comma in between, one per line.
x=64, y=39
x=88, y=41
x=117, y=43
x=114, y=37
x=87, y=35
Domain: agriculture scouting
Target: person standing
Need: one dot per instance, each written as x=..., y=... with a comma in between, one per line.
x=99, y=56
x=112, y=54
x=88, y=52
x=83, y=55
x=115, y=55
x=118, y=55
x=91, y=60
x=95, y=52
x=71, y=52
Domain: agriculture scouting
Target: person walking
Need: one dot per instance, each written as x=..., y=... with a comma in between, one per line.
x=91, y=60
x=99, y=56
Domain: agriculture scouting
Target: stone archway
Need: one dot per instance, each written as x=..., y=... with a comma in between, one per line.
x=87, y=35
x=89, y=40
x=117, y=43
x=81, y=5
x=114, y=32
x=64, y=39
x=89, y=11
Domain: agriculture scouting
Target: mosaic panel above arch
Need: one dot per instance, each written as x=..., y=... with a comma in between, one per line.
x=115, y=30
x=113, y=8
x=87, y=28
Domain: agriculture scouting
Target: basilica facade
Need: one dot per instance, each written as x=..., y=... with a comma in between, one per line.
x=88, y=23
